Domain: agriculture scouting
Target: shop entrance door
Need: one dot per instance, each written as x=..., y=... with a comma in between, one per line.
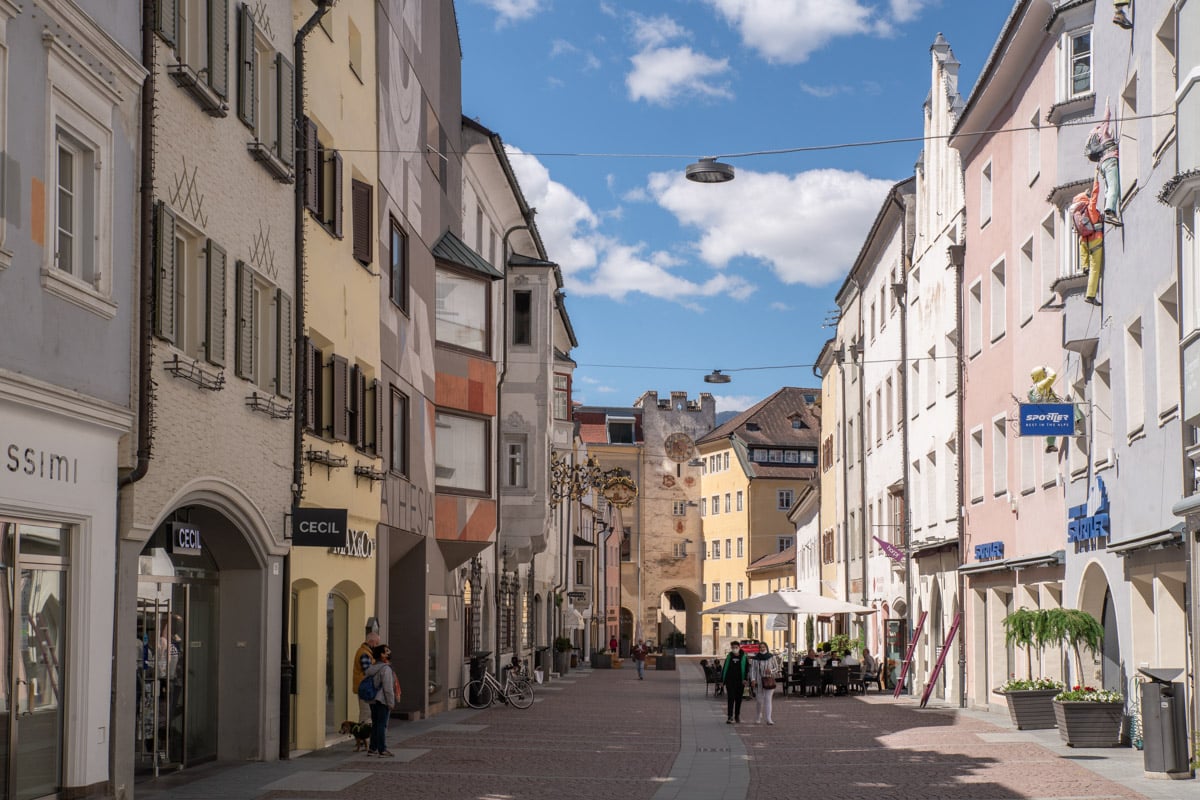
x=33, y=627
x=177, y=673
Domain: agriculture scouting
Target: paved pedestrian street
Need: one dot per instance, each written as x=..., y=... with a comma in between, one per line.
x=600, y=734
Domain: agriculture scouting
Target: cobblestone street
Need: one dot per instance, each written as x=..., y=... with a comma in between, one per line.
x=604, y=734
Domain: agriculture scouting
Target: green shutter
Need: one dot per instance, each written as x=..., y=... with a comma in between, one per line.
x=166, y=21
x=218, y=46
x=244, y=333
x=284, y=366
x=246, y=76
x=285, y=147
x=214, y=322
x=164, y=272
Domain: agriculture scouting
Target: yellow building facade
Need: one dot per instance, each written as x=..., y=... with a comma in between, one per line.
x=831, y=485
x=333, y=589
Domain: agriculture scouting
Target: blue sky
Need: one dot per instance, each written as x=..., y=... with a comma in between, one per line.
x=604, y=103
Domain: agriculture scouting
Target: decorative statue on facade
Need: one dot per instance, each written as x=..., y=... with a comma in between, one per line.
x=1090, y=227
x=1042, y=391
x=1121, y=13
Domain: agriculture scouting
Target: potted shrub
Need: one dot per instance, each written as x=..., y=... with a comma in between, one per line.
x=1090, y=717
x=562, y=654
x=1030, y=700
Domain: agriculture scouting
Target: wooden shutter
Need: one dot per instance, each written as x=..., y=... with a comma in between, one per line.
x=312, y=374
x=377, y=390
x=218, y=46
x=214, y=319
x=246, y=77
x=285, y=144
x=244, y=333
x=284, y=365
x=334, y=215
x=164, y=272
x=166, y=21
x=312, y=165
x=360, y=410
x=360, y=199
x=340, y=400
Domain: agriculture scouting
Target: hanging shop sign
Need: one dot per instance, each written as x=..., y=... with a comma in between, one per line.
x=577, y=595
x=1047, y=419
x=890, y=550
x=1081, y=526
x=989, y=551
x=358, y=545
x=183, y=539
x=319, y=527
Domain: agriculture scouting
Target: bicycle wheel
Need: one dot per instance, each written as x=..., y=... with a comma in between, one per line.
x=521, y=695
x=477, y=694
x=523, y=683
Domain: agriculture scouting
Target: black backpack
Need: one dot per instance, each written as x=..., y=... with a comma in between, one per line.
x=1093, y=148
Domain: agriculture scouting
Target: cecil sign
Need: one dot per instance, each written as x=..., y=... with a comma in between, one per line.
x=1047, y=419
x=318, y=527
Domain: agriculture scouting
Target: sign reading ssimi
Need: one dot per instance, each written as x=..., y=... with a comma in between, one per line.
x=319, y=527
x=1047, y=419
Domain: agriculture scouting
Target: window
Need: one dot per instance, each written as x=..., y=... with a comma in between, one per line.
x=808, y=457
x=1102, y=414
x=360, y=221
x=775, y=456
x=679, y=550
x=1166, y=353
x=74, y=215
x=791, y=456
x=716, y=504
x=827, y=548
x=740, y=590
x=999, y=456
x=679, y=508
x=1033, y=144
x=322, y=181
x=784, y=499
x=739, y=500
x=727, y=499
x=1049, y=463
x=463, y=313
x=716, y=549
x=621, y=431
x=1189, y=268
x=1078, y=52
x=741, y=553
x=704, y=593
x=1135, y=400
x=985, y=194
x=975, y=319
x=1028, y=286
x=704, y=507
x=398, y=265
x=398, y=446
x=976, y=444
x=354, y=45
x=950, y=481
x=890, y=406
x=522, y=316
x=868, y=419
x=725, y=460
x=436, y=145
x=264, y=319
x=783, y=543
x=461, y=445
x=514, y=461
x=914, y=387
x=1047, y=257
x=728, y=548
x=759, y=455
x=931, y=377
x=562, y=396
x=931, y=485
x=729, y=591
x=948, y=364
x=199, y=31
x=1079, y=456
x=266, y=101
x=716, y=592
x=999, y=301
x=1029, y=445
x=1163, y=80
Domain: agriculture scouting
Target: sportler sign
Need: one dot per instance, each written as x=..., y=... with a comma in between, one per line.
x=1047, y=419
x=319, y=527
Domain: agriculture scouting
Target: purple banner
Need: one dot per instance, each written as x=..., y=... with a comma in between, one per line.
x=893, y=552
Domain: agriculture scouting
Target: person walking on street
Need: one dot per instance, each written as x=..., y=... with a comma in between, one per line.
x=386, y=695
x=733, y=677
x=764, y=669
x=639, y=653
x=364, y=658
x=612, y=645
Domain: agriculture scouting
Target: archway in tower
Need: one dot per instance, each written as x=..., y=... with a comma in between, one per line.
x=679, y=622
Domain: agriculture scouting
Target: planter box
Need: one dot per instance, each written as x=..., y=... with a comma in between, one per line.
x=1031, y=709
x=665, y=662
x=617, y=662
x=601, y=661
x=1090, y=724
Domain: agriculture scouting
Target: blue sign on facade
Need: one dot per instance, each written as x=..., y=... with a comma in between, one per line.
x=989, y=550
x=1047, y=419
x=1081, y=526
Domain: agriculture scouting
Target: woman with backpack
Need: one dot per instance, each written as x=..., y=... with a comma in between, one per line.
x=387, y=691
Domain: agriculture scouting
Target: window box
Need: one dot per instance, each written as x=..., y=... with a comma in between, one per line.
x=264, y=155
x=204, y=95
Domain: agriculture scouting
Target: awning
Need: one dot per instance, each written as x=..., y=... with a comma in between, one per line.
x=929, y=546
x=1022, y=562
x=983, y=566
x=1156, y=540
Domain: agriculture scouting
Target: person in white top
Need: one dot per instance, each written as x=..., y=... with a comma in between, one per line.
x=764, y=667
x=849, y=660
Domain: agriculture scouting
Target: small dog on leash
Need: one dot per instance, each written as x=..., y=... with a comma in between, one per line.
x=361, y=731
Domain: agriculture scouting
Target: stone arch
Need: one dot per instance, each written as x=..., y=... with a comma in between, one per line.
x=232, y=502
x=1096, y=598
x=686, y=620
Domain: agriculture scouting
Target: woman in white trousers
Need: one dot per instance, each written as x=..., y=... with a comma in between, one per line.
x=763, y=665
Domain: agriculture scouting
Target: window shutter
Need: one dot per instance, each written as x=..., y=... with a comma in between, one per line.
x=246, y=83
x=377, y=390
x=286, y=143
x=167, y=20
x=218, y=46
x=283, y=352
x=341, y=391
x=335, y=213
x=360, y=410
x=312, y=374
x=245, y=322
x=214, y=319
x=164, y=272
x=312, y=163
x=360, y=199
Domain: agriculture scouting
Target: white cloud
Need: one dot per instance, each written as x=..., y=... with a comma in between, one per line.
x=560, y=47
x=778, y=306
x=594, y=263
x=659, y=76
x=808, y=227
x=823, y=91
x=513, y=10
x=906, y=10
x=654, y=32
x=605, y=389
x=734, y=402
x=789, y=31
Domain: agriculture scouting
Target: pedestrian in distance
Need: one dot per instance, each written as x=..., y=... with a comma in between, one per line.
x=612, y=645
x=639, y=653
x=764, y=671
x=363, y=658
x=386, y=694
x=733, y=677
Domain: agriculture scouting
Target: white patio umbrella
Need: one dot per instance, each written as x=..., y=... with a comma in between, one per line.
x=789, y=601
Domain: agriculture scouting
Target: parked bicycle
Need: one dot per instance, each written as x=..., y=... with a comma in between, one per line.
x=487, y=690
x=518, y=674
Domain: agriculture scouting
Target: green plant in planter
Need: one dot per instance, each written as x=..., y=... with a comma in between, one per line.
x=810, y=632
x=1086, y=694
x=1031, y=684
x=1075, y=628
x=563, y=644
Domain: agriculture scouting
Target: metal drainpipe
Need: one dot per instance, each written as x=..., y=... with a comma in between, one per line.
x=901, y=297
x=862, y=457
x=285, y=655
x=958, y=259
x=845, y=479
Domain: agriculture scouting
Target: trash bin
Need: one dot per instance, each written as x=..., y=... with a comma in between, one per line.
x=479, y=663
x=1164, y=725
